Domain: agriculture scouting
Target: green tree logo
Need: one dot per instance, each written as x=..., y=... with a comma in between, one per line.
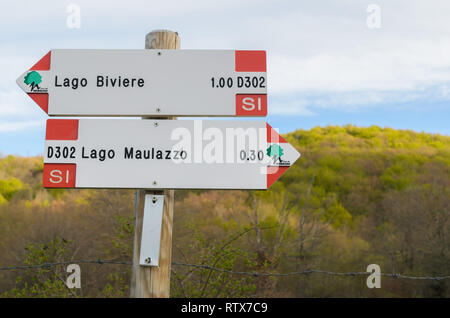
x=33, y=79
x=275, y=151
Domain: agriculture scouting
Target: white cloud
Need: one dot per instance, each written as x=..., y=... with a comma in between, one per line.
x=396, y=69
x=13, y=103
x=7, y=126
x=295, y=107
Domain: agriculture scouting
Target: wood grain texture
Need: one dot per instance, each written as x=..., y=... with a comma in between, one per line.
x=162, y=39
x=148, y=281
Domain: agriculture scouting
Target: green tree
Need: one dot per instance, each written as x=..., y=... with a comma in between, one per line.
x=33, y=79
x=275, y=151
x=9, y=187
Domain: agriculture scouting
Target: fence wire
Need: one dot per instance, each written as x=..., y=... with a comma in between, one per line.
x=222, y=270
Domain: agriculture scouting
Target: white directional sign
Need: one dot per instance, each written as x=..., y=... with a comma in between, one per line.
x=164, y=154
x=149, y=82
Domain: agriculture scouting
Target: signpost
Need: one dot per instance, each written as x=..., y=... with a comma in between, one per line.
x=158, y=154
x=149, y=83
x=163, y=154
x=147, y=280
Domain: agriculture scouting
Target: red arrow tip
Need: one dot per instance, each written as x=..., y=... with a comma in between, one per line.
x=41, y=99
x=273, y=136
x=273, y=173
x=43, y=64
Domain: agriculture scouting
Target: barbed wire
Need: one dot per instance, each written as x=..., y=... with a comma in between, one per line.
x=217, y=269
x=44, y=265
x=312, y=271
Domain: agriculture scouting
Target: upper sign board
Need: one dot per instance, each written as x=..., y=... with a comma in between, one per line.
x=164, y=154
x=149, y=83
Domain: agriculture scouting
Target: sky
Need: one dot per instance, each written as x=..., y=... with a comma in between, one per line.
x=330, y=62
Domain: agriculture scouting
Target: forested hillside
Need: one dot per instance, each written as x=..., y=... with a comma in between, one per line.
x=357, y=196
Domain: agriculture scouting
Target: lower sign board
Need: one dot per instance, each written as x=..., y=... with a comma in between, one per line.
x=164, y=154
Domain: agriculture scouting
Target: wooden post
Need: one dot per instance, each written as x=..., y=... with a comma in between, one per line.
x=148, y=281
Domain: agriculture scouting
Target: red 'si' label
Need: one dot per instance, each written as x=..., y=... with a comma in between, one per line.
x=59, y=175
x=251, y=104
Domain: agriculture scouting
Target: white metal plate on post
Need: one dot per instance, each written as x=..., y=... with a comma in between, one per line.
x=164, y=154
x=151, y=230
x=149, y=83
